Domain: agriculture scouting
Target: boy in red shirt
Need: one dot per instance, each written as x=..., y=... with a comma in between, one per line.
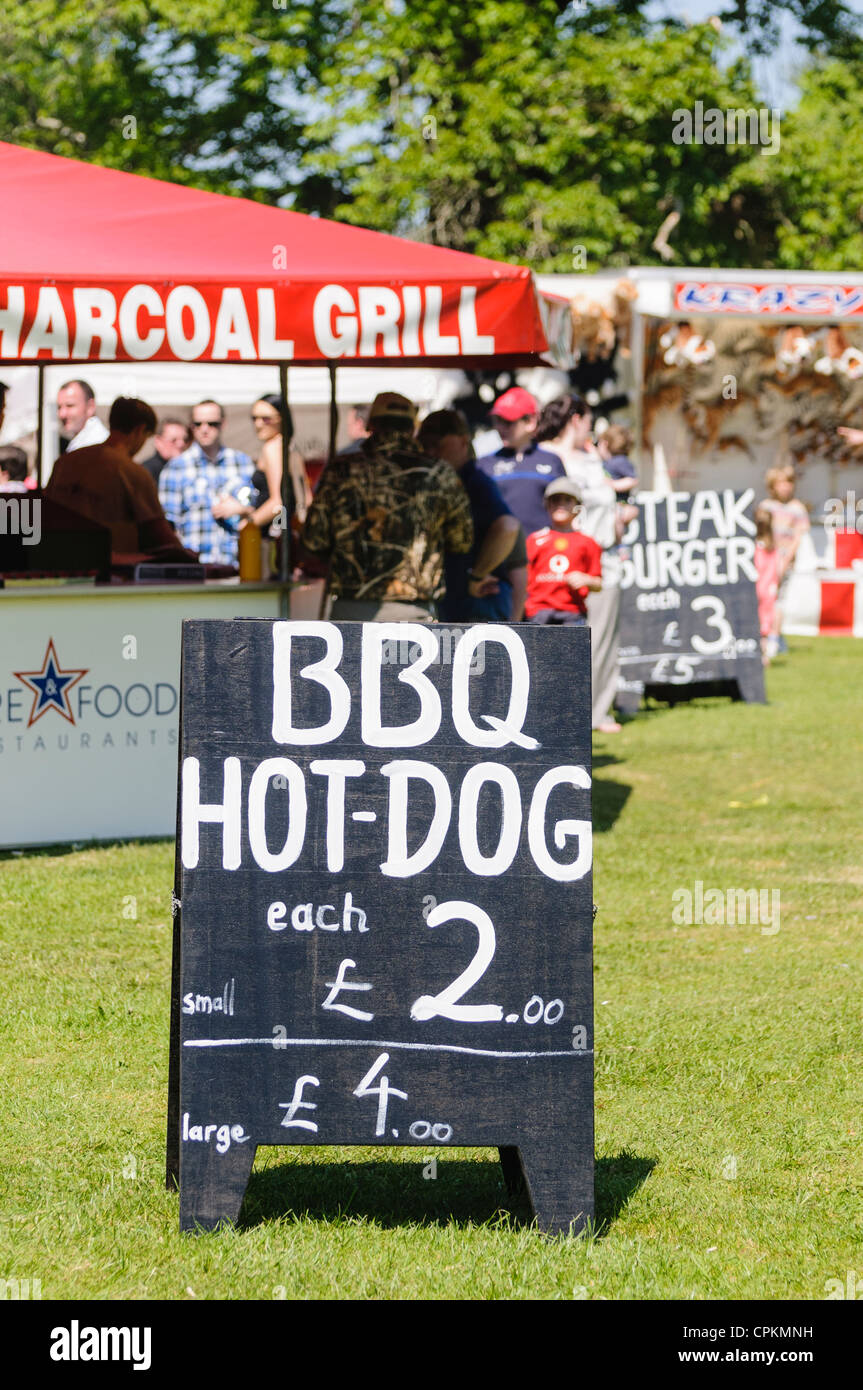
x=562, y=564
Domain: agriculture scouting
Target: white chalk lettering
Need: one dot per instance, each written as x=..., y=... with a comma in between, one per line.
x=276, y=914
x=500, y=732
x=226, y=1134
x=321, y=672
x=225, y=813
x=211, y=1003
x=305, y=917
x=678, y=528
x=339, y=984
x=735, y=509
x=707, y=507
x=295, y=838
x=383, y=1091
x=336, y=771
x=510, y=829
x=301, y=917
x=445, y=1004
x=297, y=1103
x=717, y=619
x=582, y=829
x=427, y=723
x=398, y=863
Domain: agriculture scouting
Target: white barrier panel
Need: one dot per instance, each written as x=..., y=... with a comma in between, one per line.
x=825, y=602
x=89, y=705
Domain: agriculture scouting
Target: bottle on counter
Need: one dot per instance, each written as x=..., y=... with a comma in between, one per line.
x=250, y=553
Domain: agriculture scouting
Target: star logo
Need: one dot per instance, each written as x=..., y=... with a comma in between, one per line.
x=50, y=686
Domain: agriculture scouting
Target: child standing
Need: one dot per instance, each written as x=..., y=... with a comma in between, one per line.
x=614, y=447
x=563, y=565
x=769, y=569
x=790, y=524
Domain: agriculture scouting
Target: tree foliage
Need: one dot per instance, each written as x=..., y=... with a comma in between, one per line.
x=212, y=90
x=819, y=174
x=534, y=152
x=541, y=133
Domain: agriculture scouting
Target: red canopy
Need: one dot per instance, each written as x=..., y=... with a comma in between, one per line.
x=102, y=265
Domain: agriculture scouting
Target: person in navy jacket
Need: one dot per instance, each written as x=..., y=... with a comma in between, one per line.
x=521, y=469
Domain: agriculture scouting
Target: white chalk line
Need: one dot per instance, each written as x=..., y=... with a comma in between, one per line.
x=690, y=655
x=279, y=1044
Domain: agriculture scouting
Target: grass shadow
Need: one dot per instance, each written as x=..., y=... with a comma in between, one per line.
x=609, y=799
x=604, y=760
x=389, y=1194
x=76, y=846
x=617, y=1179
x=462, y=1193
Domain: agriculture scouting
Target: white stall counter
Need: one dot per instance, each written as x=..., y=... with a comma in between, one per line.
x=89, y=702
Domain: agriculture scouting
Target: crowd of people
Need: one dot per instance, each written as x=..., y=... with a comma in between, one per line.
x=188, y=498
x=405, y=522
x=414, y=527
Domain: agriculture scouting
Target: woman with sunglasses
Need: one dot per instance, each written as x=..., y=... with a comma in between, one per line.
x=270, y=417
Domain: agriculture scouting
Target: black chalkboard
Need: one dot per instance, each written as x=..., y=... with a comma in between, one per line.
x=386, y=936
x=688, y=611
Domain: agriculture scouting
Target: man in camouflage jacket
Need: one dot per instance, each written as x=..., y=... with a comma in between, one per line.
x=385, y=516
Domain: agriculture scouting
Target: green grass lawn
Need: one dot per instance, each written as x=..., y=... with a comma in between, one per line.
x=728, y=1091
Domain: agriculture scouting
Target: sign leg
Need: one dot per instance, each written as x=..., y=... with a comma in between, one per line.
x=750, y=683
x=559, y=1180
x=212, y=1185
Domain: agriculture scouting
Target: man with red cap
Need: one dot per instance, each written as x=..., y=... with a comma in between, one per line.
x=521, y=469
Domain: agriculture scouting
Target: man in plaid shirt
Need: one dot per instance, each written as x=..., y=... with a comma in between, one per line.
x=190, y=483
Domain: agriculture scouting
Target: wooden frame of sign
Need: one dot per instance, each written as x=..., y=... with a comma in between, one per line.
x=688, y=612
x=383, y=932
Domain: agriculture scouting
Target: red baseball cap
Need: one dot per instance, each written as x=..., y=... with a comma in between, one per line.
x=514, y=404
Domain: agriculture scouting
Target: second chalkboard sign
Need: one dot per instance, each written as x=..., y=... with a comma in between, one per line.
x=385, y=901
x=688, y=612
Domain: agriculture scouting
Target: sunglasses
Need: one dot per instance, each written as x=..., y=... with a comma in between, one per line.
x=206, y=424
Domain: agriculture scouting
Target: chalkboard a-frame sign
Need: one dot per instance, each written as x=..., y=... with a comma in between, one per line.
x=383, y=932
x=688, y=612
